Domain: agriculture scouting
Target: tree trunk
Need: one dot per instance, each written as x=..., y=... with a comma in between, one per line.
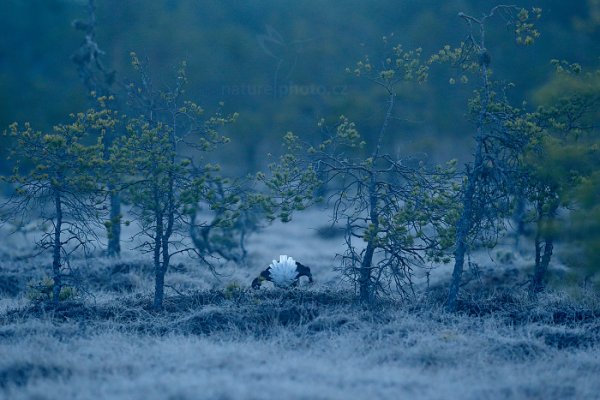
x=541, y=268
x=114, y=230
x=160, y=280
x=166, y=257
x=56, y=256
x=542, y=261
x=159, y=289
x=366, y=267
x=462, y=235
x=366, y=290
x=159, y=273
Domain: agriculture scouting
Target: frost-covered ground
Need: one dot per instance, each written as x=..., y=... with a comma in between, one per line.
x=217, y=340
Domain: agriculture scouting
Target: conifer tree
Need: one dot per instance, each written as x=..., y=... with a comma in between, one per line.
x=57, y=180
x=487, y=187
x=162, y=159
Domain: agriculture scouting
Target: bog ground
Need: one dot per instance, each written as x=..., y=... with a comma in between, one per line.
x=216, y=339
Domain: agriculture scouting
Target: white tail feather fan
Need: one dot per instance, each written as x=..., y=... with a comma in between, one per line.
x=283, y=272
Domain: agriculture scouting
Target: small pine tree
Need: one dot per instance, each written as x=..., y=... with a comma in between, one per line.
x=99, y=81
x=562, y=163
x=163, y=186
x=398, y=209
x=487, y=188
x=56, y=179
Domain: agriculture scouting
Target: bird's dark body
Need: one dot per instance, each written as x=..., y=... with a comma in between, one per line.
x=301, y=270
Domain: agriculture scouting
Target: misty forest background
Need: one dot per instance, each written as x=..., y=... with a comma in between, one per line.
x=280, y=65
x=104, y=203
x=264, y=70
